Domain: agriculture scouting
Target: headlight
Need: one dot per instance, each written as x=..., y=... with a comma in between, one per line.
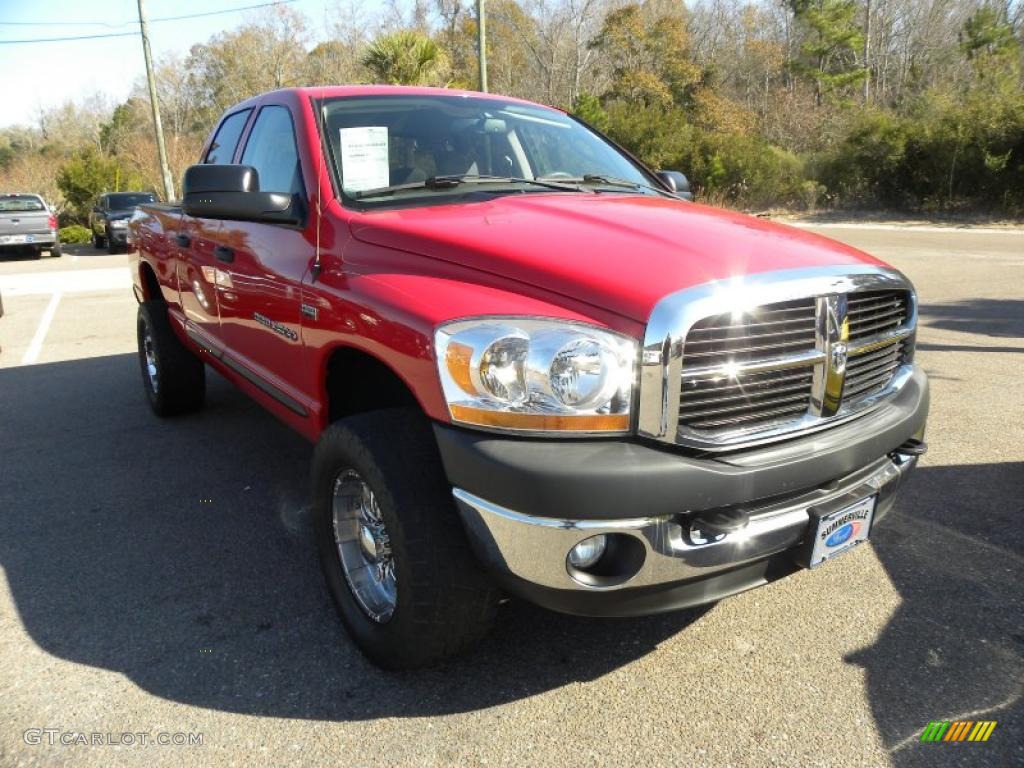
x=536, y=375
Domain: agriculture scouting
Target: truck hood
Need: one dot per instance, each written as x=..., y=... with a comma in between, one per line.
x=620, y=252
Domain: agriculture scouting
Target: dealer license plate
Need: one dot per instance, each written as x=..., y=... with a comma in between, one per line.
x=841, y=531
x=14, y=239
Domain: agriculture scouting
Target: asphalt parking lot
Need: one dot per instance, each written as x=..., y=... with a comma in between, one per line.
x=160, y=577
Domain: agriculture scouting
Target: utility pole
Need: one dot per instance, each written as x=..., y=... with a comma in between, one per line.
x=481, y=43
x=867, y=52
x=157, y=126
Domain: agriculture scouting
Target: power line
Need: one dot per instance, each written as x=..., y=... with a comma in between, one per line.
x=76, y=37
x=124, y=24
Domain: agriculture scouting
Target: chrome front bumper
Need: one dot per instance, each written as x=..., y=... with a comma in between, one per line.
x=534, y=550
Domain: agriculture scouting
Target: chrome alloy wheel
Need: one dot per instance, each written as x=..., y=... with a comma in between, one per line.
x=364, y=547
x=147, y=348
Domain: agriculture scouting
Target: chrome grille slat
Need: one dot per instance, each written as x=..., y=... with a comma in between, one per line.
x=857, y=304
x=799, y=343
x=863, y=366
x=868, y=330
x=865, y=387
x=742, y=326
x=888, y=316
x=865, y=357
x=747, y=418
x=801, y=334
x=791, y=399
x=779, y=377
x=801, y=384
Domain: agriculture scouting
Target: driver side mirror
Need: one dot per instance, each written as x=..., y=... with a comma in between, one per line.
x=231, y=192
x=676, y=182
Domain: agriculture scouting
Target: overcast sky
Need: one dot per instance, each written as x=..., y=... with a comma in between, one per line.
x=48, y=74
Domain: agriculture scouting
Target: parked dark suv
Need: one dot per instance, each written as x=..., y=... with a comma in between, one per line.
x=109, y=218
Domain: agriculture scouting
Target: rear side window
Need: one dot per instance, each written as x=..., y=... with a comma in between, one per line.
x=226, y=138
x=272, y=151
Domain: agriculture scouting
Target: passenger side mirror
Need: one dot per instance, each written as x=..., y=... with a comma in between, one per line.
x=231, y=192
x=676, y=182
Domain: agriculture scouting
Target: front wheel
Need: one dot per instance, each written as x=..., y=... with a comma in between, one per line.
x=173, y=378
x=393, y=552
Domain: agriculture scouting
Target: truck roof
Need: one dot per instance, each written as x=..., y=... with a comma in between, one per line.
x=336, y=91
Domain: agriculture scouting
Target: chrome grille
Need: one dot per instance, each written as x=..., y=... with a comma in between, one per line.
x=711, y=397
x=746, y=399
x=870, y=372
x=767, y=332
x=876, y=312
x=784, y=365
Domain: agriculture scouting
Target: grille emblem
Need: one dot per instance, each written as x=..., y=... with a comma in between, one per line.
x=832, y=335
x=838, y=357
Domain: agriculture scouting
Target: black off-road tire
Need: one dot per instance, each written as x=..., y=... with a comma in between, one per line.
x=445, y=602
x=112, y=247
x=180, y=376
x=56, y=250
x=97, y=241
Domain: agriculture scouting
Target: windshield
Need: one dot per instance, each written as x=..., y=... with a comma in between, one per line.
x=387, y=141
x=21, y=203
x=126, y=200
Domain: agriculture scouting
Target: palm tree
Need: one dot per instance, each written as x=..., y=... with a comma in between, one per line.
x=406, y=57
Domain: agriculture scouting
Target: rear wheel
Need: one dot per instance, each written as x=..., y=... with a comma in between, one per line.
x=174, y=379
x=394, y=554
x=55, y=250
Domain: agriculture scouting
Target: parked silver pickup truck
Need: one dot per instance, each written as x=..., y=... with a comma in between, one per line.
x=27, y=223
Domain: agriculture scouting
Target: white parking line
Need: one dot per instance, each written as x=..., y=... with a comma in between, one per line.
x=66, y=281
x=950, y=229
x=36, y=345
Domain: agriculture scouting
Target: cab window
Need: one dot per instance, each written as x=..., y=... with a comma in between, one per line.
x=226, y=139
x=271, y=149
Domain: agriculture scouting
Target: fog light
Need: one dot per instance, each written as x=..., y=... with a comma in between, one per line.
x=588, y=551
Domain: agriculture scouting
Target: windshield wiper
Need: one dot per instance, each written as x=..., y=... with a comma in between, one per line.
x=449, y=181
x=611, y=181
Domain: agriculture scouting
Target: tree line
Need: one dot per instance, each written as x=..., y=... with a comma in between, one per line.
x=896, y=104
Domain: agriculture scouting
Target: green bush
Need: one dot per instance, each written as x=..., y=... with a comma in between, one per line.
x=89, y=173
x=723, y=167
x=75, y=233
x=748, y=171
x=947, y=153
x=867, y=167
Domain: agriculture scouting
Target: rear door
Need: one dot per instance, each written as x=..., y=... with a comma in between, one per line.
x=199, y=281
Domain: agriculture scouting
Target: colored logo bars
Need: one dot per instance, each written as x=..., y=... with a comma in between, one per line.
x=958, y=730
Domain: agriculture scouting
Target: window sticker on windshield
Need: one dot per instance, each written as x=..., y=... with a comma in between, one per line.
x=364, y=158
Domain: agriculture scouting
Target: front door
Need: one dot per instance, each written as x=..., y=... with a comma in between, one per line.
x=262, y=266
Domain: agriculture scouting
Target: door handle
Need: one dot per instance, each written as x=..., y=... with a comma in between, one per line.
x=223, y=253
x=183, y=240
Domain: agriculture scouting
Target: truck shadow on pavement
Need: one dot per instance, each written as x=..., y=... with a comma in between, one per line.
x=179, y=554
x=1001, y=318
x=954, y=649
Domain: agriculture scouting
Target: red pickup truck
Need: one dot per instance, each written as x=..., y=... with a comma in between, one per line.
x=529, y=365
